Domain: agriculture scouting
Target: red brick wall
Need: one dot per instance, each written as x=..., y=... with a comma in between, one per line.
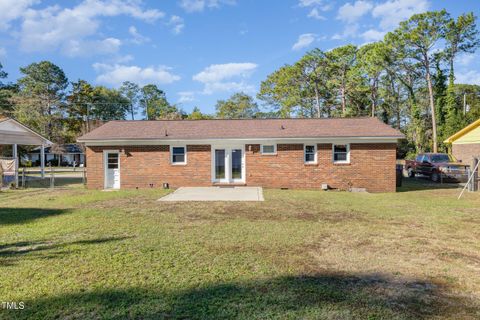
x=372, y=166
x=466, y=152
x=141, y=166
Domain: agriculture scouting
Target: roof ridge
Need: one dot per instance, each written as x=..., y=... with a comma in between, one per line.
x=247, y=119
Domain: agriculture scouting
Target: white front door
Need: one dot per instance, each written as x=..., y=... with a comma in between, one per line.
x=228, y=164
x=112, y=169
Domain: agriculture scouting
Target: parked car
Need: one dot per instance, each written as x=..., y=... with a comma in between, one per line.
x=437, y=166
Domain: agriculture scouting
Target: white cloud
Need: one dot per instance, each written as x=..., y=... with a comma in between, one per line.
x=55, y=28
x=373, y=35
x=315, y=14
x=176, y=23
x=350, y=31
x=350, y=13
x=77, y=48
x=466, y=59
x=122, y=59
x=304, y=40
x=137, y=38
x=309, y=3
x=13, y=9
x=226, y=77
x=219, y=72
x=200, y=5
x=468, y=77
x=186, y=96
x=392, y=12
x=316, y=7
x=116, y=74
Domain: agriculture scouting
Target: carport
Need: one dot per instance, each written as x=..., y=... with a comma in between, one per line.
x=14, y=133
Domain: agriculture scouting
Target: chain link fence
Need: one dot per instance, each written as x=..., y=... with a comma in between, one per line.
x=54, y=177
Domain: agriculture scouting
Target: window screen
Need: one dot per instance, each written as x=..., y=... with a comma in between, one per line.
x=310, y=153
x=268, y=149
x=178, y=154
x=112, y=161
x=340, y=153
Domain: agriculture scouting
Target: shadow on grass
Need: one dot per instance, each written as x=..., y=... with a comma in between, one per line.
x=24, y=247
x=13, y=252
x=23, y=215
x=423, y=183
x=323, y=296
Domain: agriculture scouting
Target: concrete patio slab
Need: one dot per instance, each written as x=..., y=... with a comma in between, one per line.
x=215, y=194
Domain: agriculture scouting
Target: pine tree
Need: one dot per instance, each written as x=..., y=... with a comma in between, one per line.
x=440, y=92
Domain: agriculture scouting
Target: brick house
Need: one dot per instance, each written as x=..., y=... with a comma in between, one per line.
x=274, y=153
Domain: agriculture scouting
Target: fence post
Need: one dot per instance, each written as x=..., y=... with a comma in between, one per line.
x=23, y=178
x=52, y=176
x=469, y=183
x=475, y=175
x=15, y=156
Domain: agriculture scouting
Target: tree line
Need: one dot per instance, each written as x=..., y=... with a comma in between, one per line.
x=407, y=80
x=46, y=101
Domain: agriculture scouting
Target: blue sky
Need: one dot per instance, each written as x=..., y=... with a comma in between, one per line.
x=197, y=51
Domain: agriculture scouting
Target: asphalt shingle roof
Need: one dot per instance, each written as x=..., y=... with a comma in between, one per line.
x=241, y=129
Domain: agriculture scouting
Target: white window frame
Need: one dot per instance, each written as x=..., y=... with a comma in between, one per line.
x=228, y=162
x=269, y=153
x=348, y=152
x=305, y=153
x=185, y=155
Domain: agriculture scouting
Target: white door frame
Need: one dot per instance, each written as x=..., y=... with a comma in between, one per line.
x=105, y=168
x=228, y=163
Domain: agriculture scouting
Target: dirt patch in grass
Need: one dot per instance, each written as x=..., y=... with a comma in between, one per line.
x=333, y=217
x=470, y=259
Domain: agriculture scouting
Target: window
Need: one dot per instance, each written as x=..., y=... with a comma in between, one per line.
x=341, y=153
x=112, y=160
x=310, y=154
x=179, y=155
x=441, y=157
x=269, y=149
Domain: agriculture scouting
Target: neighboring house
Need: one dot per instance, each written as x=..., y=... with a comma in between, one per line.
x=71, y=153
x=275, y=153
x=466, y=143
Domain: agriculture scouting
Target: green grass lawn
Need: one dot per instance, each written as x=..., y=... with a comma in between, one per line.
x=72, y=253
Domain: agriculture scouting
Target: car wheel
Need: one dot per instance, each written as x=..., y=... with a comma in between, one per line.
x=435, y=177
x=410, y=173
